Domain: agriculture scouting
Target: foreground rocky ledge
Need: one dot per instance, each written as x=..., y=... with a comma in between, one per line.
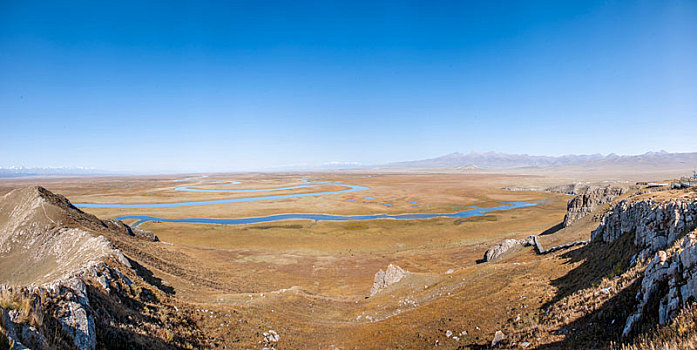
x=66, y=286
x=658, y=227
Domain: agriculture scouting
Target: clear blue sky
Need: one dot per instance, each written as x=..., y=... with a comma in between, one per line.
x=236, y=85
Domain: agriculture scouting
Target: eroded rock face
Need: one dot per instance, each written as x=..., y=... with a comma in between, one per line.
x=391, y=275
x=659, y=230
x=47, y=247
x=654, y=224
x=675, y=268
x=589, y=200
x=44, y=238
x=500, y=249
x=66, y=301
x=532, y=240
x=75, y=320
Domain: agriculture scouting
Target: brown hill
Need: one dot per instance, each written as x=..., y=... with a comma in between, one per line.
x=64, y=284
x=43, y=238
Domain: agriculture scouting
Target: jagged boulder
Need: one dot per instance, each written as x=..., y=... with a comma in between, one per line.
x=532, y=240
x=573, y=189
x=657, y=226
x=500, y=249
x=675, y=268
x=654, y=224
x=589, y=200
x=498, y=338
x=76, y=321
x=390, y=276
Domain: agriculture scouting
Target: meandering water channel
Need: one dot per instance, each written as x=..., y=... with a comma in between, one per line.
x=469, y=212
x=347, y=189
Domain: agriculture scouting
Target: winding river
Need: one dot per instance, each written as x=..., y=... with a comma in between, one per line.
x=469, y=212
x=347, y=189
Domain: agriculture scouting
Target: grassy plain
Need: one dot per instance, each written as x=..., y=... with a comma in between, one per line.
x=309, y=280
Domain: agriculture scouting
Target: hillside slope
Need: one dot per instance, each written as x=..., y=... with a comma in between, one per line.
x=65, y=285
x=632, y=284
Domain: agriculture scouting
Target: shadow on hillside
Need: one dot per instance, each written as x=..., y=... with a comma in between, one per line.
x=548, y=231
x=116, y=320
x=149, y=277
x=553, y=229
x=600, y=328
x=597, y=330
x=603, y=326
x=598, y=260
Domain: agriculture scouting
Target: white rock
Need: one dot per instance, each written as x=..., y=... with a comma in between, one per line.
x=498, y=337
x=390, y=276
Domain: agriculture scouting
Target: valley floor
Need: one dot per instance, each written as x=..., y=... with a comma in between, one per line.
x=309, y=282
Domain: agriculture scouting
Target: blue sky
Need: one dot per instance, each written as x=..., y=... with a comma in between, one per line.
x=240, y=85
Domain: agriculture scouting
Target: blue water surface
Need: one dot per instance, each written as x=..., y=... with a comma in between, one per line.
x=474, y=211
x=348, y=188
x=469, y=212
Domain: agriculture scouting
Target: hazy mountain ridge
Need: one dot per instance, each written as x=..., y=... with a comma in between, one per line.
x=19, y=171
x=495, y=160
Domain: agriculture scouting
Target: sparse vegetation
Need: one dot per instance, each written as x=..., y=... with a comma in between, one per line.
x=25, y=303
x=476, y=219
x=206, y=287
x=679, y=334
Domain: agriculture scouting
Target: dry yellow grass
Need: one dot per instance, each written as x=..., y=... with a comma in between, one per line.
x=308, y=280
x=26, y=304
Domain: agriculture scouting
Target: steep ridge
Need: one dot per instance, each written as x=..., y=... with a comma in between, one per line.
x=655, y=223
x=41, y=240
x=658, y=227
x=65, y=285
x=638, y=272
x=589, y=200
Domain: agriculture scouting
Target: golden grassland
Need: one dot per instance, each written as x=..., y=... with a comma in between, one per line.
x=309, y=280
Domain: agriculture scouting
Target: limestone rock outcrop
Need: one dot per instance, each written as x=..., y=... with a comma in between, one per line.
x=498, y=338
x=655, y=224
x=533, y=240
x=675, y=268
x=589, y=200
x=390, y=276
x=500, y=249
x=63, y=280
x=69, y=304
x=659, y=230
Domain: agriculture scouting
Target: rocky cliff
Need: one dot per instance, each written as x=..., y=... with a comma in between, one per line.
x=65, y=285
x=506, y=245
x=671, y=279
x=654, y=223
x=659, y=228
x=588, y=200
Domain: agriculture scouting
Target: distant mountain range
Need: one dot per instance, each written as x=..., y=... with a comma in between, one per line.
x=21, y=171
x=651, y=161
x=494, y=160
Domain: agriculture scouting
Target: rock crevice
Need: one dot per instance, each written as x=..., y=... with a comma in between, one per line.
x=589, y=200
x=657, y=227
